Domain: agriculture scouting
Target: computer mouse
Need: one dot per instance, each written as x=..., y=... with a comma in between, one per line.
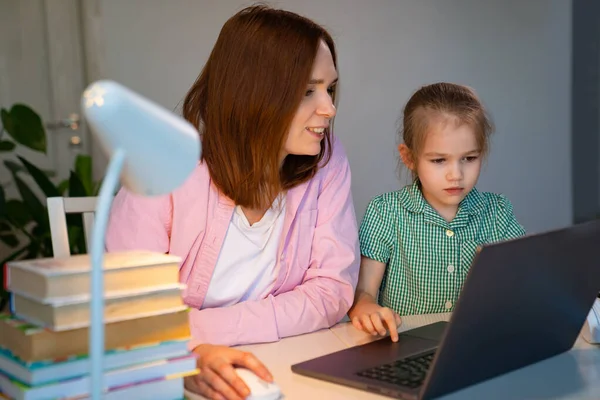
x=259, y=388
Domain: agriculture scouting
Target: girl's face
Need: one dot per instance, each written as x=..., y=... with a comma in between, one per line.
x=448, y=166
x=316, y=109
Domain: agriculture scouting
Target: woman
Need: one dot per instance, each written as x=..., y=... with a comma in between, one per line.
x=265, y=225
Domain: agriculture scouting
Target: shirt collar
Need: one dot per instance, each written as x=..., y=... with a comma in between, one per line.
x=411, y=198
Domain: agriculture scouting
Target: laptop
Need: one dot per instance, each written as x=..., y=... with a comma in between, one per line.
x=523, y=301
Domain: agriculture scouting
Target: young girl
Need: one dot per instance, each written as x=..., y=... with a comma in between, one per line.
x=417, y=244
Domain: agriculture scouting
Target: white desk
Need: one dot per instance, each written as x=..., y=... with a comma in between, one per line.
x=280, y=356
x=573, y=375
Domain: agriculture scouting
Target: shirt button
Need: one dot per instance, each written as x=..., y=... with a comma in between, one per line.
x=448, y=305
x=451, y=268
x=449, y=233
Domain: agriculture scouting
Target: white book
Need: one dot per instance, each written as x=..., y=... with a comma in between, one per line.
x=46, y=279
x=74, y=312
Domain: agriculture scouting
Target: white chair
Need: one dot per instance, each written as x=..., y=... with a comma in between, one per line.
x=58, y=208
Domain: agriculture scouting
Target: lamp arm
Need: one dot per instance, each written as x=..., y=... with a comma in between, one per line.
x=96, y=338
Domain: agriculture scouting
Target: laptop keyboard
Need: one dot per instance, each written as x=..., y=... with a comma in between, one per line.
x=409, y=371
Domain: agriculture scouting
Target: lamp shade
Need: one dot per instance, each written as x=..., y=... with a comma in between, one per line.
x=161, y=149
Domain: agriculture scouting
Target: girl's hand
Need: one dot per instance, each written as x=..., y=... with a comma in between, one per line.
x=366, y=314
x=217, y=379
x=375, y=320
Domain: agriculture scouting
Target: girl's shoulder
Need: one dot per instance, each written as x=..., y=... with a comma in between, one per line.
x=387, y=201
x=496, y=203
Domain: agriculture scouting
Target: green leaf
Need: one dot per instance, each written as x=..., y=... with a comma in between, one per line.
x=35, y=206
x=41, y=179
x=25, y=126
x=7, y=236
x=33, y=250
x=76, y=239
x=83, y=169
x=50, y=173
x=46, y=249
x=5, y=227
x=9, y=239
x=63, y=186
x=7, y=145
x=18, y=213
x=6, y=120
x=76, y=188
x=41, y=233
x=97, y=188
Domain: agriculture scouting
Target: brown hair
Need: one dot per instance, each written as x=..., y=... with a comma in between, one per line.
x=444, y=100
x=245, y=98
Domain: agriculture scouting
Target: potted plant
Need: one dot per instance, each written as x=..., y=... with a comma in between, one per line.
x=24, y=226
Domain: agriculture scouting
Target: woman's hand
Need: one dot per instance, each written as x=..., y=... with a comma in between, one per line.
x=217, y=379
x=370, y=317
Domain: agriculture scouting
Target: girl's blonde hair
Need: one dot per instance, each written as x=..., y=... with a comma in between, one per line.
x=439, y=102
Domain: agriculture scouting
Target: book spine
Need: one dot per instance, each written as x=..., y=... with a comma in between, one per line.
x=11, y=304
x=5, y=284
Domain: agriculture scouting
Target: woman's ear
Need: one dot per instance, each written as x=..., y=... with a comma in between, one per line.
x=406, y=156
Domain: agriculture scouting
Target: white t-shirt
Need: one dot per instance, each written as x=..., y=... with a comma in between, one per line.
x=246, y=263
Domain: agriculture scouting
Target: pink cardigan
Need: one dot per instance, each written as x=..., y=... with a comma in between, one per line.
x=318, y=253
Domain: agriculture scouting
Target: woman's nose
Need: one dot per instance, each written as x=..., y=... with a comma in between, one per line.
x=327, y=108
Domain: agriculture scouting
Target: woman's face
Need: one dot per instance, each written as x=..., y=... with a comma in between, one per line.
x=316, y=109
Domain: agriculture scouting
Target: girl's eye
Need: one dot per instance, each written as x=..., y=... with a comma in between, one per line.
x=437, y=160
x=309, y=92
x=471, y=159
x=331, y=90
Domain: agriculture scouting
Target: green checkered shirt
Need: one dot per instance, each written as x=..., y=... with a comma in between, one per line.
x=428, y=258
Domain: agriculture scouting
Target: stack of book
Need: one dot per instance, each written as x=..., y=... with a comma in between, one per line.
x=44, y=339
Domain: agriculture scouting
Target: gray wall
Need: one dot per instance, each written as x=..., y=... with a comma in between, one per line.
x=515, y=53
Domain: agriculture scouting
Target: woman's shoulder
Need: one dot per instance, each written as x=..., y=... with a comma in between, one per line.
x=338, y=155
x=199, y=178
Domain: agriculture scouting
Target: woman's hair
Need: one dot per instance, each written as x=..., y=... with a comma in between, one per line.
x=444, y=101
x=245, y=98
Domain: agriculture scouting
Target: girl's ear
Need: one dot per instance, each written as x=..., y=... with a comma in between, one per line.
x=406, y=156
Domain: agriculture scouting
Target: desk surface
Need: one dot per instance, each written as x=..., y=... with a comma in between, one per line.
x=572, y=375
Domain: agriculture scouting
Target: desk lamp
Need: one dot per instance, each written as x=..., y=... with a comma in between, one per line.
x=152, y=151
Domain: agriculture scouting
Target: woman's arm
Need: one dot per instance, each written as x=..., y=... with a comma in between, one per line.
x=326, y=291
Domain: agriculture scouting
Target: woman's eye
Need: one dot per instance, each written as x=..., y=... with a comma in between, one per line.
x=309, y=92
